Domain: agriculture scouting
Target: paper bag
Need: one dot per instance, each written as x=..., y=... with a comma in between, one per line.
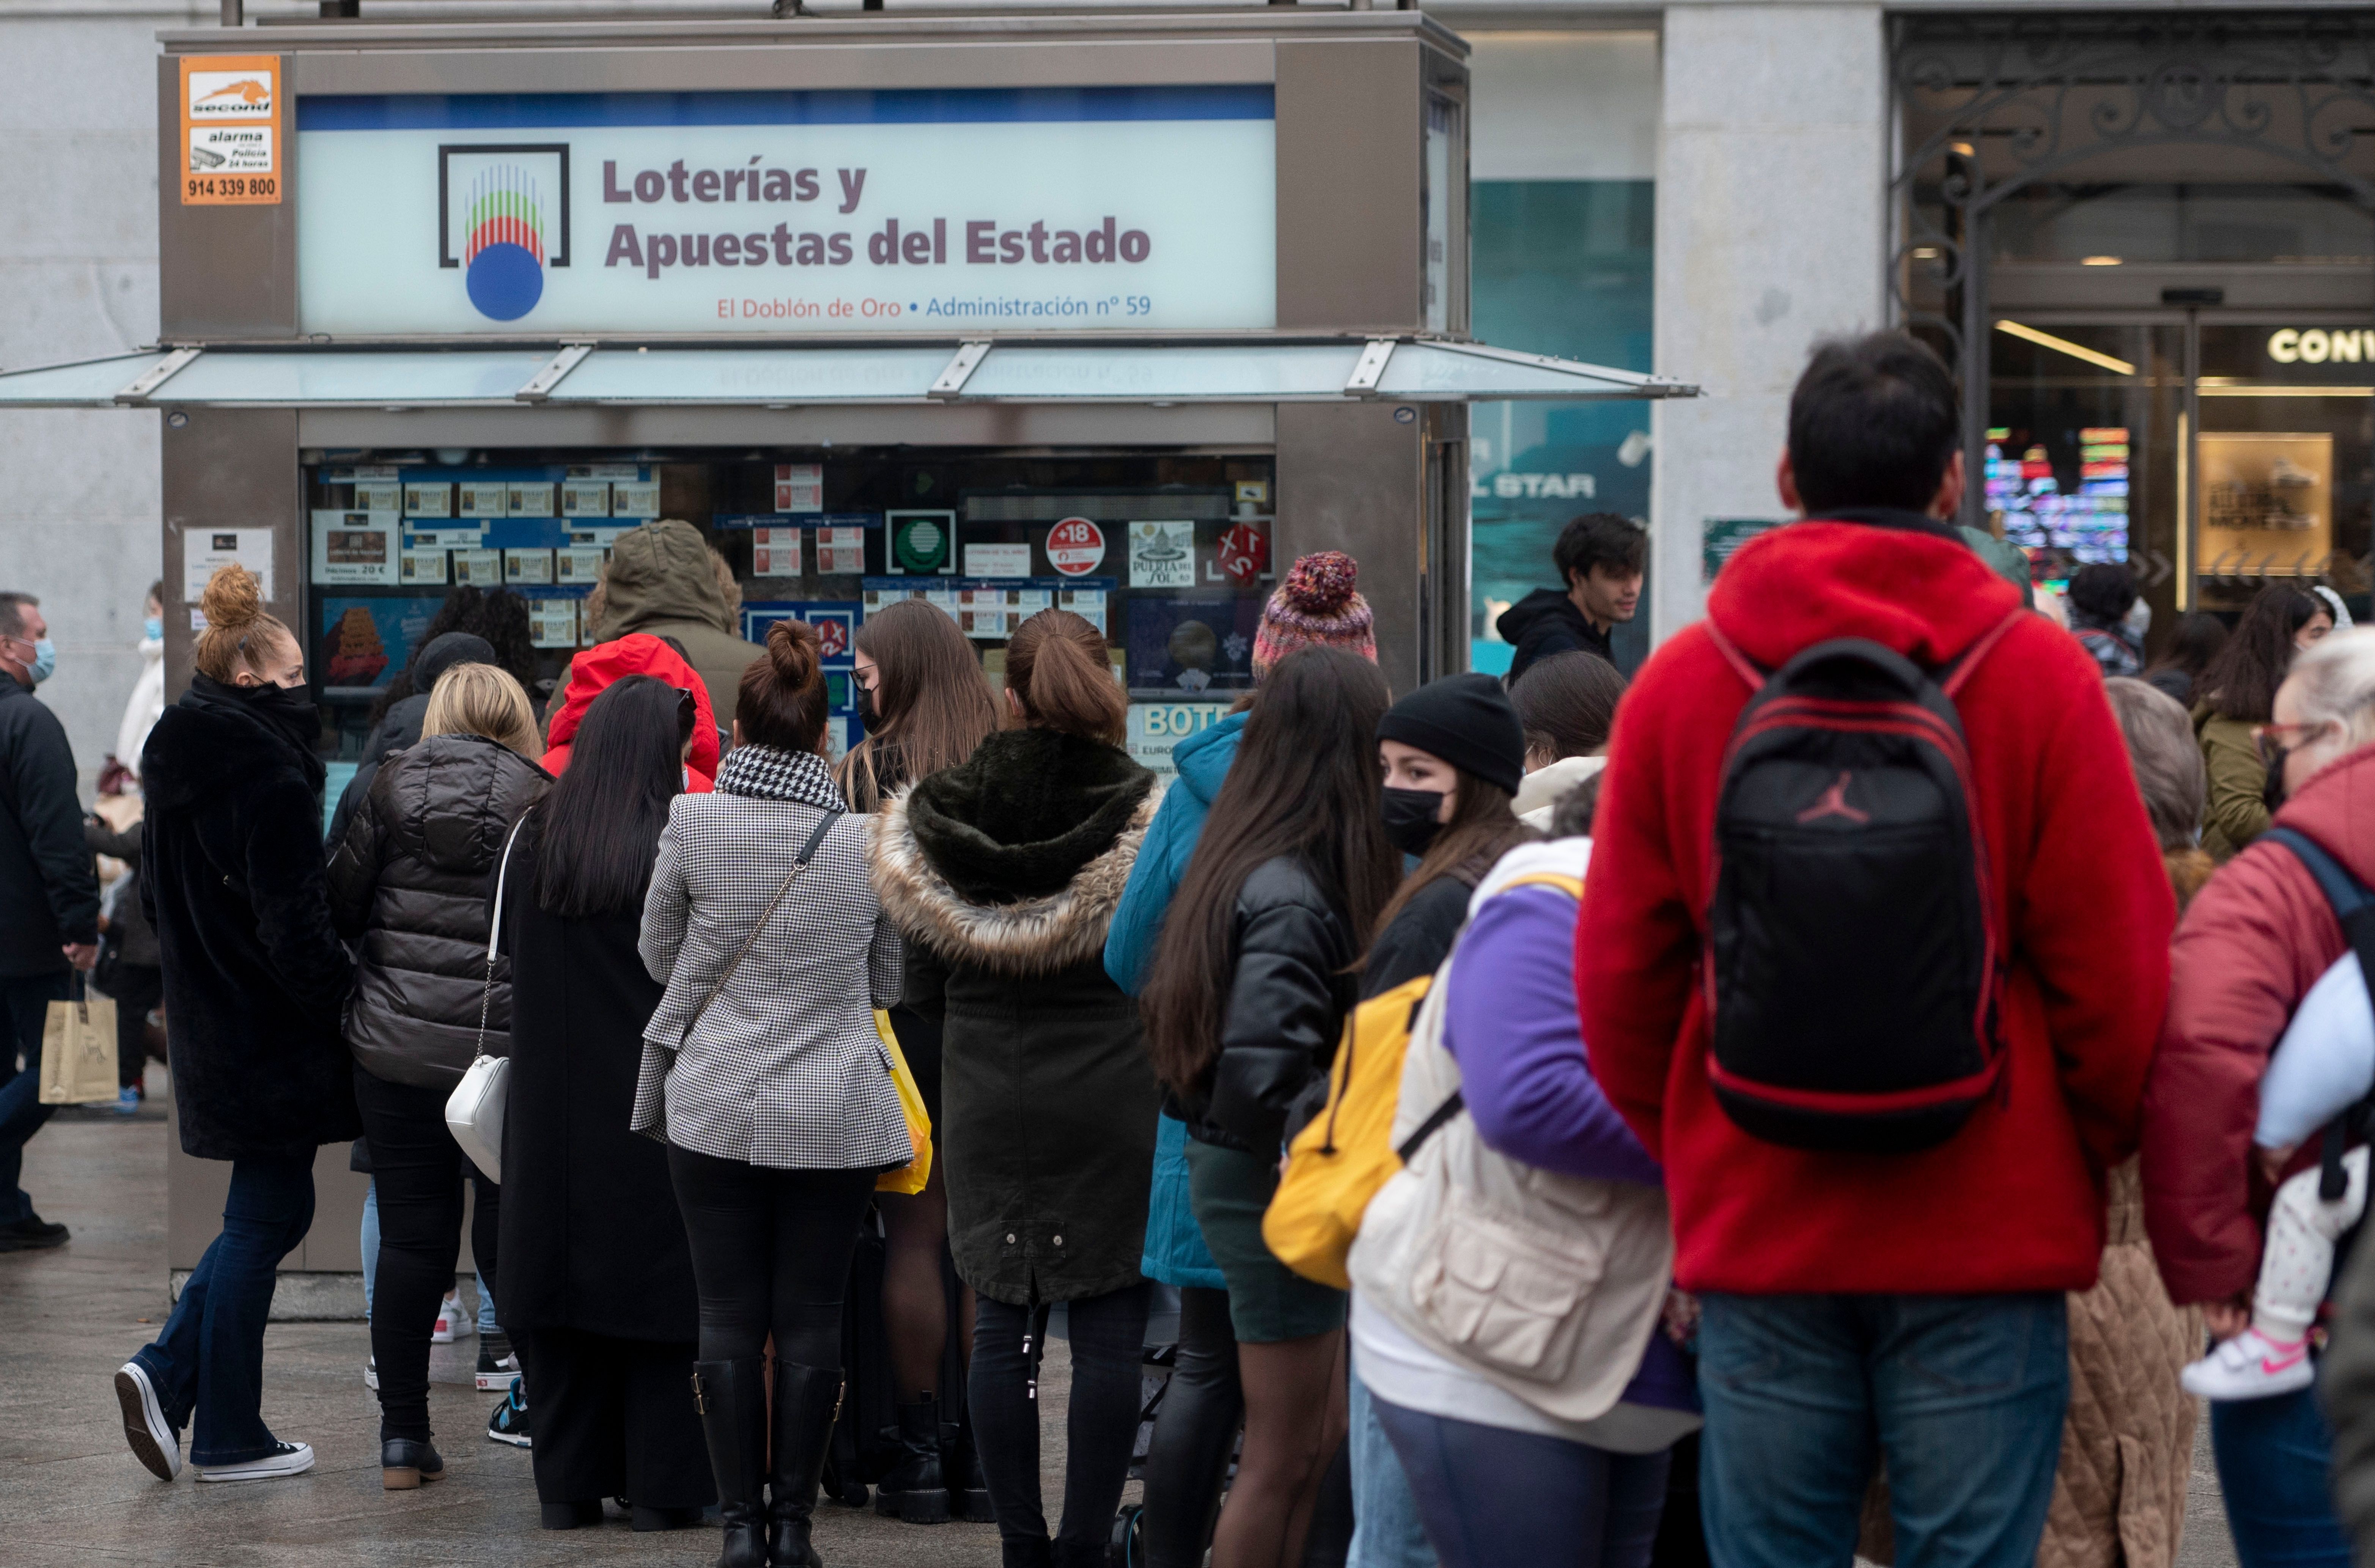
x=78, y=1050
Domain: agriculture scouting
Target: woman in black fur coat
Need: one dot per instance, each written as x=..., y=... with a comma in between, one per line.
x=231, y=879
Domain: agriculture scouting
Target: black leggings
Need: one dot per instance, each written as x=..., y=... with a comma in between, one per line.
x=418, y=1168
x=1107, y=1335
x=1202, y=1407
x=771, y=1253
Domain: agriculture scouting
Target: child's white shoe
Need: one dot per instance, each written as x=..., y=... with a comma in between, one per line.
x=2251, y=1366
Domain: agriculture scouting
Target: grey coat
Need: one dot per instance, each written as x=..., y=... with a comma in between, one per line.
x=785, y=1070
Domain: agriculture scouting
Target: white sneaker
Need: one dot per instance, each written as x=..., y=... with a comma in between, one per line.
x=2249, y=1366
x=288, y=1459
x=451, y=1323
x=371, y=1373
x=152, y=1441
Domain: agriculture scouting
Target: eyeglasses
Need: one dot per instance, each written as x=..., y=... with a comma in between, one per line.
x=2267, y=739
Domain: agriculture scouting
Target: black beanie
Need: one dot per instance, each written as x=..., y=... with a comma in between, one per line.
x=1468, y=722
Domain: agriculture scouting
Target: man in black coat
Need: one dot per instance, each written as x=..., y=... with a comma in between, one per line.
x=1599, y=557
x=49, y=899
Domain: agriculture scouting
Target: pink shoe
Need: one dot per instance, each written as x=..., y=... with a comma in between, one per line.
x=2251, y=1366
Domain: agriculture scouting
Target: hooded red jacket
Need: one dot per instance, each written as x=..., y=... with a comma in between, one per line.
x=2254, y=940
x=593, y=671
x=2012, y=1201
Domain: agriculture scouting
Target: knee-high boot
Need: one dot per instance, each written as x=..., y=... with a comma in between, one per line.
x=807, y=1398
x=732, y=1398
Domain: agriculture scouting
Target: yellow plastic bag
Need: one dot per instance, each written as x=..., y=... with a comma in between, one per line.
x=908, y=1178
x=78, y=1050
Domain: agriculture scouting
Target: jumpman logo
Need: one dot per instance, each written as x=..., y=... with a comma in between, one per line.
x=1834, y=802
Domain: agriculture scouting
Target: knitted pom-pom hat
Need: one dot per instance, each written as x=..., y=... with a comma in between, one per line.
x=1315, y=606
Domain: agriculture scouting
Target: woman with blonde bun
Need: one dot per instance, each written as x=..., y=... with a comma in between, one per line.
x=232, y=882
x=410, y=883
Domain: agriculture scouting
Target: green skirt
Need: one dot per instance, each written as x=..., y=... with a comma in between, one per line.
x=1269, y=1302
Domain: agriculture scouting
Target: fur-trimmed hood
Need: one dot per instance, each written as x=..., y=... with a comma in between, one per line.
x=1028, y=936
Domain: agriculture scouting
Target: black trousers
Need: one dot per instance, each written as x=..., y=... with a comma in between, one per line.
x=614, y=1418
x=771, y=1253
x=1195, y=1433
x=418, y=1170
x=138, y=987
x=1107, y=1335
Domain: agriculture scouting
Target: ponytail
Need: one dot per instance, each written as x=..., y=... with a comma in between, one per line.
x=1057, y=664
x=239, y=635
x=781, y=702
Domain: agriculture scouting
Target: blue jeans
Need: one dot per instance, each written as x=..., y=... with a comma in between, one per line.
x=1492, y=1496
x=1963, y=1394
x=1388, y=1531
x=2275, y=1467
x=211, y=1357
x=21, y=1111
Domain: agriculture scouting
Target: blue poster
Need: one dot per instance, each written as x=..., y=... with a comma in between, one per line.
x=1559, y=266
x=364, y=643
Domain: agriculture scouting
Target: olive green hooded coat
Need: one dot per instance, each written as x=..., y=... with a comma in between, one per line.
x=662, y=580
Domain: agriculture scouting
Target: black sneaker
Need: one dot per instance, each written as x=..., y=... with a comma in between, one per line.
x=509, y=1424
x=497, y=1363
x=31, y=1234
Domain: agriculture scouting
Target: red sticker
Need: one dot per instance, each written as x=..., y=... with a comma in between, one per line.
x=833, y=638
x=1242, y=553
x=1076, y=546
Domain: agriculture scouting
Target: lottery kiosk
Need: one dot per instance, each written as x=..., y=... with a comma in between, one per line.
x=1115, y=313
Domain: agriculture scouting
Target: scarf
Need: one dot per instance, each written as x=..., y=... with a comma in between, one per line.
x=764, y=772
x=287, y=713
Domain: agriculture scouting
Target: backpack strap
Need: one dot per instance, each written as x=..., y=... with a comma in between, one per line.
x=1954, y=673
x=2354, y=909
x=1742, y=664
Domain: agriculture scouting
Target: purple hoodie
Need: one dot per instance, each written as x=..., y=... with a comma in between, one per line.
x=1510, y=1023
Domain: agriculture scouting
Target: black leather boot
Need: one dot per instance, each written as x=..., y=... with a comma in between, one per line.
x=405, y=1463
x=912, y=1490
x=961, y=1472
x=732, y=1400
x=807, y=1400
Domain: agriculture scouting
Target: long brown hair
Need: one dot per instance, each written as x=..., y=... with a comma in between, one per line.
x=931, y=704
x=1482, y=830
x=1304, y=783
x=1058, y=666
x=2242, y=679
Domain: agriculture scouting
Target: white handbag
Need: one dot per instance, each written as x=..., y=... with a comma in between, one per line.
x=474, y=1112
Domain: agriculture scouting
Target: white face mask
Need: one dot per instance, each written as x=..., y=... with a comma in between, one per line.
x=2138, y=619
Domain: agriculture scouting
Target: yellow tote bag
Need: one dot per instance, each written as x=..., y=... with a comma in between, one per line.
x=78, y=1050
x=908, y=1178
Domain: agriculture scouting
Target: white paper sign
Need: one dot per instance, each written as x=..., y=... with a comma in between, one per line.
x=1125, y=209
x=485, y=498
x=1163, y=555
x=378, y=495
x=639, y=499
x=586, y=497
x=356, y=547
x=530, y=501
x=206, y=552
x=527, y=566
x=552, y=623
x=799, y=487
x=581, y=564
x=434, y=500
x=479, y=569
x=840, y=552
x=775, y=552
x=424, y=566
x=997, y=560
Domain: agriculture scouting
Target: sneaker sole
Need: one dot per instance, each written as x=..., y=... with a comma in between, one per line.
x=515, y=1439
x=497, y=1382
x=261, y=1472
x=142, y=1420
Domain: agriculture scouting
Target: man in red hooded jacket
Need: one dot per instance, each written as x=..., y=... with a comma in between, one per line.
x=1860, y=1305
x=594, y=671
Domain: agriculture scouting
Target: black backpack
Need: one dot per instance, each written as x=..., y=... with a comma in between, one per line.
x=2354, y=911
x=1855, y=941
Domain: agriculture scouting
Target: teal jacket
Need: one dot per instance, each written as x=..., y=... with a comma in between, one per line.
x=1175, y=1252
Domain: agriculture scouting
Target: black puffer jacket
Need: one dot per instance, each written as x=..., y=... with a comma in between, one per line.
x=412, y=880
x=1288, y=996
x=230, y=873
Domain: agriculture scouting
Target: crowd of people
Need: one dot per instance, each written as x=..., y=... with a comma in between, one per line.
x=1855, y=1089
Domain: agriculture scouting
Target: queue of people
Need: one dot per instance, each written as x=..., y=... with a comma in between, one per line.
x=1791, y=1106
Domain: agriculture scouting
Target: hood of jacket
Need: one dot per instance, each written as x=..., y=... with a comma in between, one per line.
x=1037, y=933
x=1203, y=758
x=1551, y=604
x=1023, y=816
x=448, y=802
x=1899, y=580
x=206, y=745
x=597, y=669
x=2336, y=808
x=1541, y=790
x=662, y=571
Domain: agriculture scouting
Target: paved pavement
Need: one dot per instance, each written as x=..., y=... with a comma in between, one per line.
x=75, y=1496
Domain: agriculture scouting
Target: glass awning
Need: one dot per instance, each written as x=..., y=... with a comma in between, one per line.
x=1382, y=369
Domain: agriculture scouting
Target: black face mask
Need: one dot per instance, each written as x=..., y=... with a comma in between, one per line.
x=1410, y=817
x=868, y=718
x=2273, y=793
x=289, y=711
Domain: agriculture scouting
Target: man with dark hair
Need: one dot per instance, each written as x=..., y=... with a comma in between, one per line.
x=49, y=899
x=2103, y=605
x=1599, y=557
x=1858, y=1302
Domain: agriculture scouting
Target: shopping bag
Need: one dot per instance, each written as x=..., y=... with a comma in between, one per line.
x=78, y=1049
x=908, y=1178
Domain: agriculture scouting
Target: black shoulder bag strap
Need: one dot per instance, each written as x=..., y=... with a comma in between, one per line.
x=799, y=864
x=2354, y=907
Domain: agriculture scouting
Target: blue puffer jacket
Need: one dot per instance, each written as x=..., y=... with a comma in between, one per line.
x=1175, y=1252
